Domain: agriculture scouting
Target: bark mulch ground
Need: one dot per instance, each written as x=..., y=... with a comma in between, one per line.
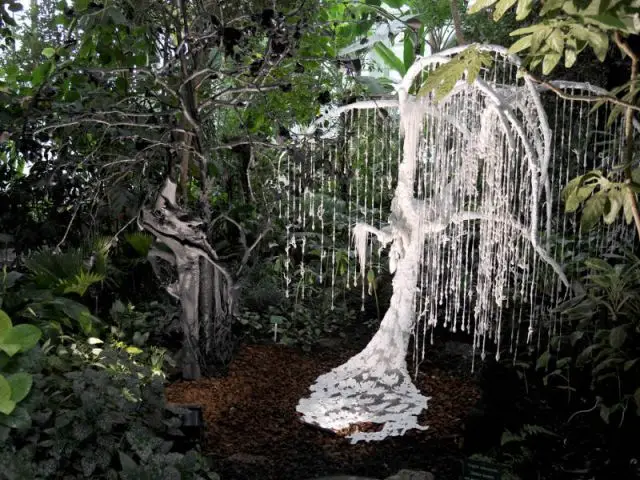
x=253, y=431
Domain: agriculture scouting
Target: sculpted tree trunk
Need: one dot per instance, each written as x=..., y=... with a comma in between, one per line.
x=465, y=141
x=200, y=296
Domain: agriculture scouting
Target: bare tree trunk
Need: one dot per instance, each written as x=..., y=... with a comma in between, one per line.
x=457, y=21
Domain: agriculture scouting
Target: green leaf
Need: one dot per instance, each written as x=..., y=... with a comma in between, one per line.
x=443, y=79
x=19, y=419
x=593, y=210
x=20, y=385
x=5, y=322
x=527, y=30
x=539, y=38
x=521, y=44
x=390, y=58
x=24, y=335
x=523, y=9
x=508, y=437
x=607, y=21
x=629, y=364
x=549, y=62
x=599, y=42
x=6, y=404
x=575, y=337
x=571, y=187
x=49, y=52
x=41, y=73
x=543, y=360
x=550, y=6
x=409, y=51
x=636, y=397
x=128, y=464
x=15, y=7
x=480, y=5
x=617, y=336
x=556, y=41
x=616, y=200
x=76, y=311
x=117, y=17
x=570, y=57
x=9, y=348
x=395, y=3
x=501, y=8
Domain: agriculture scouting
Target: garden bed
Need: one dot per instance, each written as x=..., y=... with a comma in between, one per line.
x=253, y=430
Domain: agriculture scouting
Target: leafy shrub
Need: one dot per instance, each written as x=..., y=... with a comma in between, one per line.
x=598, y=350
x=97, y=413
x=15, y=384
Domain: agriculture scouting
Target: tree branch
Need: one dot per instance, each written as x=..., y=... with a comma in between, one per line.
x=581, y=98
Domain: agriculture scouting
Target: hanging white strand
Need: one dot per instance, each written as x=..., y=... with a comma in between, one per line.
x=356, y=213
x=289, y=221
x=365, y=197
x=333, y=226
x=303, y=216
x=281, y=185
x=384, y=152
x=310, y=189
x=324, y=179
x=349, y=158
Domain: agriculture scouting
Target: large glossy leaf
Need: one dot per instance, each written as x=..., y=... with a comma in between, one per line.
x=409, y=50
x=41, y=73
x=25, y=336
x=6, y=404
x=618, y=336
x=480, y=5
x=20, y=385
x=390, y=58
x=593, y=210
x=5, y=322
x=19, y=418
x=501, y=8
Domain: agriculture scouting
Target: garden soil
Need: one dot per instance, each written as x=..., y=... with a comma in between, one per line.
x=253, y=431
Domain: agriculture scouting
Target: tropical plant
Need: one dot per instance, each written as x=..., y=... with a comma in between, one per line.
x=15, y=383
x=596, y=354
x=98, y=412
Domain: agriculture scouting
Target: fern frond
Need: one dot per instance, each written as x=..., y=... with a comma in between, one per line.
x=140, y=241
x=81, y=282
x=467, y=65
x=534, y=430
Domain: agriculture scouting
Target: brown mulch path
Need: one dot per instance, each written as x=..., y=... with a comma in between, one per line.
x=253, y=430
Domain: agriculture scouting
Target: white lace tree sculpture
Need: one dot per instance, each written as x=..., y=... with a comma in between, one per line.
x=481, y=156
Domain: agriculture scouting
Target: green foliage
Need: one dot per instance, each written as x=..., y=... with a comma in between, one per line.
x=519, y=454
x=15, y=384
x=140, y=241
x=98, y=414
x=600, y=338
x=466, y=66
x=391, y=59
x=600, y=197
x=566, y=27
